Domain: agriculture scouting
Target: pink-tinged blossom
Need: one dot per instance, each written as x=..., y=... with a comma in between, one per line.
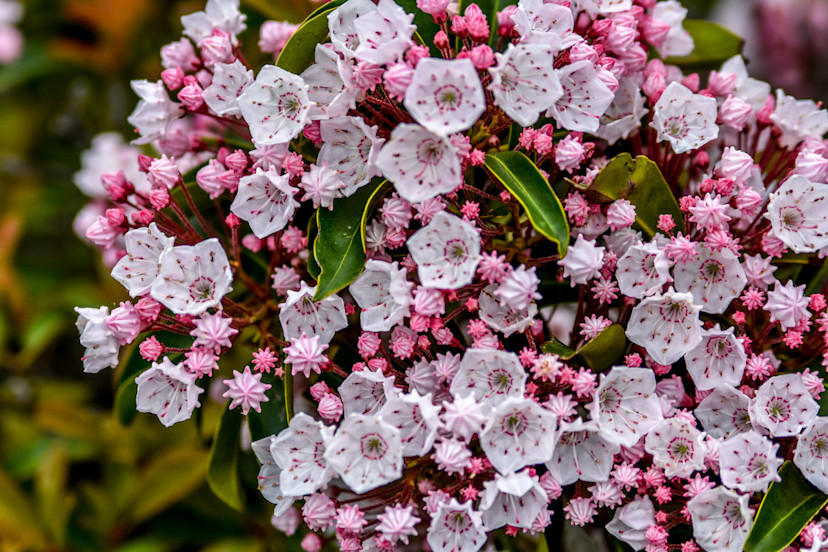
x=246, y=389
x=630, y=522
x=397, y=523
x=415, y=416
x=583, y=261
x=275, y=106
x=266, y=201
x=677, y=41
x=624, y=114
x=811, y=453
x=383, y=293
x=213, y=332
x=667, y=326
x=299, y=451
x=686, y=120
x=714, y=279
x=787, y=304
x=524, y=82
x=515, y=499
x=721, y=519
x=718, y=358
x=319, y=512
x=676, y=447
x=300, y=313
x=625, y=404
x=759, y=271
x=503, y=318
x=582, y=453
x=306, y=354
x=520, y=433
x=452, y=456
x=192, y=278
x=154, y=112
x=365, y=452
x=456, y=528
x=229, y=81
x=447, y=252
x=383, y=34
x=445, y=96
x=518, y=288
x=620, y=214
x=223, y=15
x=420, y=163
x=798, y=120
x=783, y=406
x=585, y=98
x=748, y=462
x=580, y=511
x=350, y=147
x=125, y=322
x=797, y=212
x=366, y=391
x=201, y=362
x=273, y=35
x=168, y=391
x=101, y=344
x=489, y=375
x=643, y=270
x=464, y=417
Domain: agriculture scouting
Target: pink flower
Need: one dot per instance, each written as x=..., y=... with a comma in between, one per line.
x=246, y=389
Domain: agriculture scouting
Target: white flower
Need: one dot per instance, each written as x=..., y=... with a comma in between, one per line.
x=445, y=96
x=192, y=278
x=748, y=462
x=456, y=528
x=625, y=404
x=299, y=451
x=447, y=252
x=108, y=153
x=677, y=447
x=678, y=42
x=582, y=453
x=721, y=519
x=350, y=147
x=798, y=212
x=490, y=375
x=585, y=98
x=546, y=23
x=643, y=270
x=416, y=418
x=383, y=292
x=169, y=391
x=596, y=7
x=420, y=163
x=366, y=391
x=753, y=91
x=300, y=314
x=515, y=499
x=384, y=33
x=719, y=358
x=503, y=318
x=519, y=288
x=101, y=343
x=631, y=521
x=265, y=200
x=270, y=475
x=275, y=106
x=464, y=416
x=714, y=278
x=329, y=84
x=154, y=112
x=624, y=114
x=811, y=454
x=524, y=82
x=798, y=120
x=783, y=406
x=366, y=452
x=342, y=25
x=223, y=15
x=724, y=412
x=666, y=325
x=583, y=261
x=520, y=433
x=137, y=270
x=686, y=120
x=229, y=81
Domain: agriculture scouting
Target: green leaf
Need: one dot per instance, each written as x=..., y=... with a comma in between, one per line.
x=273, y=417
x=172, y=475
x=523, y=179
x=313, y=266
x=640, y=181
x=223, y=462
x=340, y=246
x=298, y=53
x=599, y=353
x=788, y=506
x=713, y=45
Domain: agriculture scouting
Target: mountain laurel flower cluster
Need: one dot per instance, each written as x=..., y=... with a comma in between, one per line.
x=512, y=270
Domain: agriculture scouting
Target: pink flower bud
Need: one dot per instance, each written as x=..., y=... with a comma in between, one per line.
x=252, y=243
x=217, y=48
x=653, y=31
x=148, y=308
x=482, y=57
x=311, y=543
x=125, y=322
x=144, y=162
x=192, y=96
x=330, y=408
x=143, y=217
x=159, y=198
x=434, y=8
x=313, y=132
x=692, y=82
x=458, y=27
x=180, y=54
x=654, y=86
x=236, y=161
x=102, y=233
x=173, y=78
x=274, y=35
x=441, y=40
x=164, y=172
x=735, y=112
x=505, y=23
x=151, y=349
x=721, y=84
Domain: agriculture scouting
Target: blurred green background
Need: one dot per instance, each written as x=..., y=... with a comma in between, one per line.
x=72, y=477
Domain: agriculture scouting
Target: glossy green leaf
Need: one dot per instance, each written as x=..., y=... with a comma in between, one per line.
x=313, y=266
x=273, y=417
x=713, y=45
x=223, y=462
x=523, y=179
x=599, y=353
x=788, y=506
x=340, y=246
x=171, y=475
x=640, y=181
x=297, y=55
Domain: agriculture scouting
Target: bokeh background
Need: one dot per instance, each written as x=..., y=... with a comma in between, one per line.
x=71, y=476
